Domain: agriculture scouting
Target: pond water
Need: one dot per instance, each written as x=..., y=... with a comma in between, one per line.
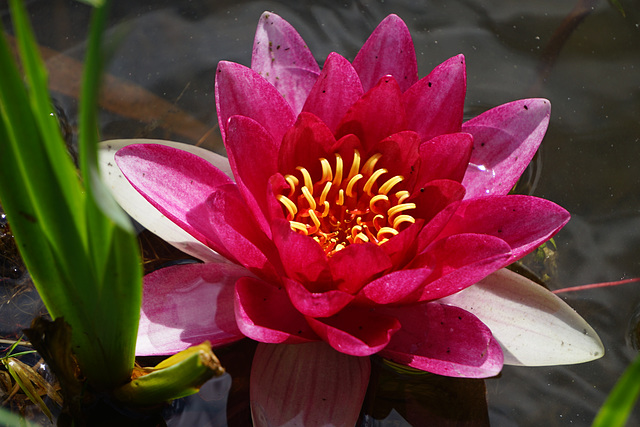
x=161, y=86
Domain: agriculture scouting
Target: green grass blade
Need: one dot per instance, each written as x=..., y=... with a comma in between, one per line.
x=621, y=400
x=113, y=247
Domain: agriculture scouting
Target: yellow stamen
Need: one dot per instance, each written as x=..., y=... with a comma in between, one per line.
x=307, y=178
x=386, y=231
x=293, y=183
x=327, y=175
x=351, y=183
x=325, y=192
x=402, y=196
x=370, y=164
x=355, y=166
x=307, y=195
x=390, y=183
x=297, y=226
x=338, y=177
x=291, y=207
x=399, y=208
x=401, y=219
x=374, y=201
x=371, y=180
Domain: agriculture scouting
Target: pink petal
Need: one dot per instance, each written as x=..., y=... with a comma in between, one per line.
x=309, y=385
x=240, y=91
x=444, y=157
x=316, y=304
x=357, y=331
x=505, y=139
x=304, y=144
x=444, y=340
x=247, y=141
x=400, y=155
x=335, y=91
x=459, y=261
x=524, y=222
x=395, y=287
x=434, y=196
x=143, y=211
x=187, y=304
x=356, y=265
x=284, y=60
x=227, y=223
x=265, y=313
x=388, y=50
x=435, y=104
x=302, y=257
x=375, y=116
x=534, y=326
x=172, y=180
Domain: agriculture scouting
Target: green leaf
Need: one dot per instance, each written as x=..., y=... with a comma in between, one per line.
x=621, y=400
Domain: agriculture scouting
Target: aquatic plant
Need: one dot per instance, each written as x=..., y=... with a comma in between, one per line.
x=365, y=218
x=78, y=245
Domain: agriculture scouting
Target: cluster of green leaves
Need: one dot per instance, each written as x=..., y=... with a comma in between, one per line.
x=616, y=409
x=76, y=242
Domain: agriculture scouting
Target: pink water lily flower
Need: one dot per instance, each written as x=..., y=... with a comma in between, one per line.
x=362, y=217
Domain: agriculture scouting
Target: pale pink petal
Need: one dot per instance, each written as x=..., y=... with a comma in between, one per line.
x=184, y=305
x=335, y=91
x=435, y=103
x=375, y=116
x=505, y=139
x=396, y=287
x=524, y=222
x=240, y=91
x=143, y=211
x=284, y=60
x=358, y=331
x=172, y=180
x=309, y=385
x=459, y=261
x=316, y=304
x=265, y=313
x=388, y=50
x=248, y=140
x=534, y=326
x=444, y=340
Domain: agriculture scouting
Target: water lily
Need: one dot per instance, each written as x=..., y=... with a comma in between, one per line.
x=357, y=214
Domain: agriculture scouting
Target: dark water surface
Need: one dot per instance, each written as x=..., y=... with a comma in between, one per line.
x=588, y=161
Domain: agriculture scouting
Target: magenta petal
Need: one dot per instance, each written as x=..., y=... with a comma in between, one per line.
x=397, y=286
x=433, y=197
x=524, y=222
x=227, y=223
x=264, y=313
x=240, y=91
x=335, y=91
x=375, y=116
x=245, y=142
x=400, y=154
x=308, y=140
x=356, y=265
x=444, y=340
x=309, y=385
x=302, y=257
x=357, y=331
x=316, y=304
x=505, y=139
x=459, y=261
x=388, y=50
x=172, y=180
x=444, y=157
x=284, y=60
x=435, y=104
x=186, y=305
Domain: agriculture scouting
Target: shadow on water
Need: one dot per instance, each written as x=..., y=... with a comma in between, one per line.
x=166, y=62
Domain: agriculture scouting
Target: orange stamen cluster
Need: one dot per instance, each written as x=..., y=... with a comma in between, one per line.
x=337, y=210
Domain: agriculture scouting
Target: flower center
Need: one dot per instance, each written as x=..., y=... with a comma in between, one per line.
x=338, y=210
